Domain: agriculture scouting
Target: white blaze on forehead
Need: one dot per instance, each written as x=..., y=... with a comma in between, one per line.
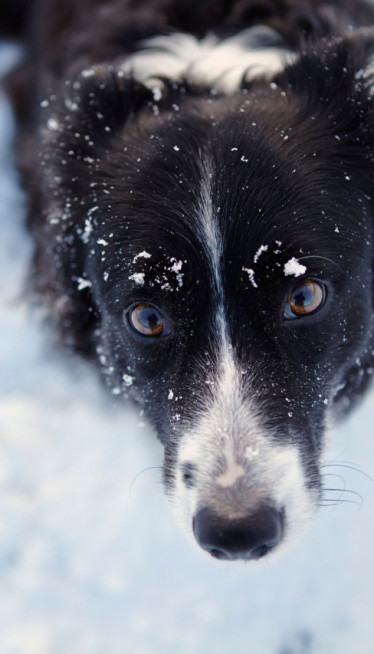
x=220, y=64
x=208, y=225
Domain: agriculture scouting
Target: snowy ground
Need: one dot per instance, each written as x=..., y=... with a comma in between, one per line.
x=91, y=561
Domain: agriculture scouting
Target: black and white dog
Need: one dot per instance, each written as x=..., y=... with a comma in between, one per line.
x=200, y=178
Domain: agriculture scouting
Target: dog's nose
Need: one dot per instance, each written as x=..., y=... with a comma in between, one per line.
x=251, y=537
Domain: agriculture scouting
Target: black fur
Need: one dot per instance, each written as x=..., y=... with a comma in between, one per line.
x=290, y=162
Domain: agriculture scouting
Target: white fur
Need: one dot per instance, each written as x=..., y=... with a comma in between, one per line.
x=221, y=65
x=209, y=229
x=234, y=470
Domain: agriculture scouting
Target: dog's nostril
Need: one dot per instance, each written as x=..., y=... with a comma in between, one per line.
x=218, y=554
x=261, y=551
x=251, y=537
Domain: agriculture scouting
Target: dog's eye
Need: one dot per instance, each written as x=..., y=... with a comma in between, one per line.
x=305, y=298
x=147, y=320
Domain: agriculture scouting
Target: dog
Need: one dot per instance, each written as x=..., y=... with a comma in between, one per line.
x=200, y=184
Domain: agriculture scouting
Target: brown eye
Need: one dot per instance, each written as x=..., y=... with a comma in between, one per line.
x=147, y=320
x=305, y=298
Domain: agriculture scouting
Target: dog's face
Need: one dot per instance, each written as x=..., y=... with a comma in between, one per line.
x=224, y=246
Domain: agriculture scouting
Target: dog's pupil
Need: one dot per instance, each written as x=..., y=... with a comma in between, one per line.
x=301, y=299
x=307, y=297
x=150, y=319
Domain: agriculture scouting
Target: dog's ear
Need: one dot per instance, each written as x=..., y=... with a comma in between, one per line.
x=98, y=100
x=334, y=73
x=360, y=51
x=78, y=124
x=330, y=92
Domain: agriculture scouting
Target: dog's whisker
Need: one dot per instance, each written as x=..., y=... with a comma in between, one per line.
x=348, y=466
x=139, y=474
x=343, y=490
x=335, y=502
x=333, y=474
x=319, y=256
x=326, y=501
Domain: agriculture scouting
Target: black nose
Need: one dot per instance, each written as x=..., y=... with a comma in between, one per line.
x=246, y=538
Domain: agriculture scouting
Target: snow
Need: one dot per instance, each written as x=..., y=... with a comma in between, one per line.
x=82, y=283
x=142, y=254
x=88, y=226
x=128, y=380
x=138, y=278
x=260, y=251
x=91, y=558
x=294, y=267
x=53, y=125
x=251, y=275
x=88, y=72
x=176, y=268
x=157, y=93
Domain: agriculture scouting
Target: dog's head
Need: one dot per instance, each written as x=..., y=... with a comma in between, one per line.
x=218, y=252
